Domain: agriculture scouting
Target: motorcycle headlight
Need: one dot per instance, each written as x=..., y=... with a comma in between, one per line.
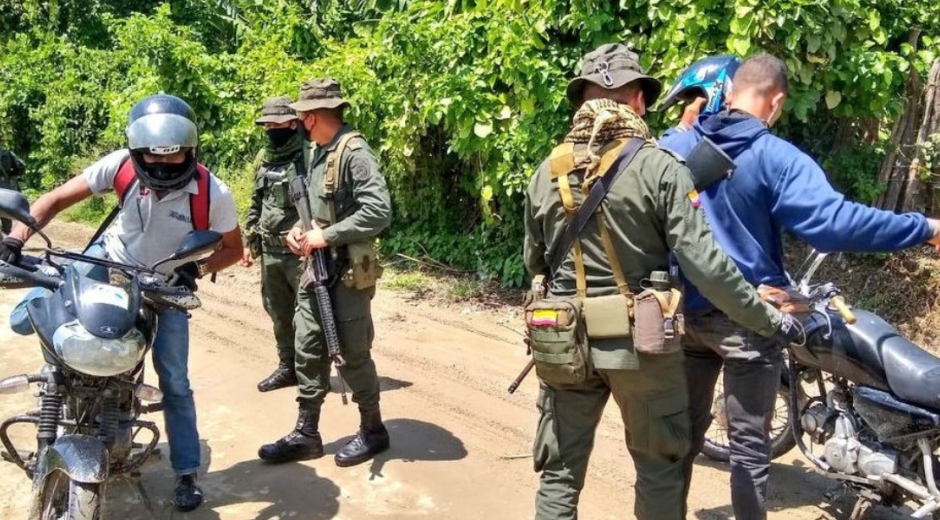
x=89, y=354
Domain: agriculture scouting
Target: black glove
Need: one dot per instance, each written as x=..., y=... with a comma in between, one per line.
x=11, y=250
x=791, y=330
x=186, y=276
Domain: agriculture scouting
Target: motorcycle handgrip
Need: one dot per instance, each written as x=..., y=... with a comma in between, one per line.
x=839, y=303
x=35, y=278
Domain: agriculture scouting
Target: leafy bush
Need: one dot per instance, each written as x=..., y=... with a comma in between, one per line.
x=461, y=98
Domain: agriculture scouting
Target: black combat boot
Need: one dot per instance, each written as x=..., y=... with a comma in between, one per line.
x=302, y=443
x=371, y=440
x=186, y=495
x=282, y=377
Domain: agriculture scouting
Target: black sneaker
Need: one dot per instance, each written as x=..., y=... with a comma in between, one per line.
x=187, y=496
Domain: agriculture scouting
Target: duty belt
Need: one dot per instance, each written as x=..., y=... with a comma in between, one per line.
x=274, y=240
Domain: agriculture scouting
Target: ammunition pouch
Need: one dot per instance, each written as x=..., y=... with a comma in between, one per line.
x=607, y=317
x=254, y=244
x=658, y=322
x=363, y=269
x=558, y=339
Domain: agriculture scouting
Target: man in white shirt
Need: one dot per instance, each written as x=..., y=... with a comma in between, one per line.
x=165, y=193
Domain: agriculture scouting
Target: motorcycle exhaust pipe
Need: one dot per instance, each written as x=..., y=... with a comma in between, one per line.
x=18, y=383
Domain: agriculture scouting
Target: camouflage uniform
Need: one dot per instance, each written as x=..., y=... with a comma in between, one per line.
x=362, y=208
x=271, y=215
x=648, y=213
x=11, y=169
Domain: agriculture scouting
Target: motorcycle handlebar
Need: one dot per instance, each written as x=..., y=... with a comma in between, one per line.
x=839, y=303
x=16, y=276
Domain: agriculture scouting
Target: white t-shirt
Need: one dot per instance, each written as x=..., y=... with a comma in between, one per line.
x=147, y=230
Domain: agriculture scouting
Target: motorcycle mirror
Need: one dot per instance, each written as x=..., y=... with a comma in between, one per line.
x=195, y=243
x=14, y=205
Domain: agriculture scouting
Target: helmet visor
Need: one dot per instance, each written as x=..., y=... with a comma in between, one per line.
x=162, y=134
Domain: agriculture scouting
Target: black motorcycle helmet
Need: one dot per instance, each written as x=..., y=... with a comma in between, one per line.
x=162, y=125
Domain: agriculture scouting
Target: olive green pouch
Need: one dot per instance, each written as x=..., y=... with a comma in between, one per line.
x=364, y=269
x=658, y=322
x=607, y=316
x=556, y=335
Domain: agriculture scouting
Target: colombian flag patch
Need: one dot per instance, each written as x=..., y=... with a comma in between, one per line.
x=693, y=196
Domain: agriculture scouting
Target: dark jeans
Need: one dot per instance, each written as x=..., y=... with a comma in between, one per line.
x=752, y=366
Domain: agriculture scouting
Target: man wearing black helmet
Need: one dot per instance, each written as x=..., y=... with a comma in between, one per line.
x=165, y=193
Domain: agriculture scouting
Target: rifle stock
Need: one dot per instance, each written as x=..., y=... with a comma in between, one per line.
x=316, y=271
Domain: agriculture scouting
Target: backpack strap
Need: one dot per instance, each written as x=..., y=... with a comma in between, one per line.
x=125, y=178
x=332, y=176
x=199, y=202
x=615, y=157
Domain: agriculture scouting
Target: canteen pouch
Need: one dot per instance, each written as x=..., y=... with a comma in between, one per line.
x=364, y=269
x=558, y=341
x=607, y=316
x=658, y=322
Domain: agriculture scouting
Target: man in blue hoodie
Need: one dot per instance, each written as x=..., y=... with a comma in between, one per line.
x=775, y=187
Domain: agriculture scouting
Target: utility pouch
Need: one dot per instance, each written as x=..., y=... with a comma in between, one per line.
x=364, y=269
x=607, y=316
x=556, y=335
x=254, y=245
x=658, y=324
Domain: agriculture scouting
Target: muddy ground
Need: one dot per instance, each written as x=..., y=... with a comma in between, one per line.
x=460, y=442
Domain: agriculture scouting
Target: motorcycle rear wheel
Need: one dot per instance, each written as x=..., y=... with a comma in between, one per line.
x=64, y=499
x=716, y=438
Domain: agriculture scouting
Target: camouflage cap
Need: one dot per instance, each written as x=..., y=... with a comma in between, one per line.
x=319, y=93
x=611, y=66
x=276, y=110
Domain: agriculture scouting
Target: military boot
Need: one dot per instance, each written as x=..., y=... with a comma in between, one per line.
x=282, y=377
x=371, y=439
x=302, y=443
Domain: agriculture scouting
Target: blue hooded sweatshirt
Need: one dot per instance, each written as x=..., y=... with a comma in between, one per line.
x=777, y=187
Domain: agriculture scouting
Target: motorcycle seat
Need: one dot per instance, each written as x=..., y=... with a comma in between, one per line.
x=913, y=373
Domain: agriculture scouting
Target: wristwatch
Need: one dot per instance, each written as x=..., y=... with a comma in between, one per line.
x=203, y=266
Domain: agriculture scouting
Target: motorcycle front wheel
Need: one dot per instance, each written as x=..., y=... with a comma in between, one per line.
x=64, y=499
x=716, y=438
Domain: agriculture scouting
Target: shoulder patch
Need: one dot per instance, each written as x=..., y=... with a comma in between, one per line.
x=361, y=167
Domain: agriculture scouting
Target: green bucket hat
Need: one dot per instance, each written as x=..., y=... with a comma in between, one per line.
x=610, y=66
x=276, y=110
x=319, y=93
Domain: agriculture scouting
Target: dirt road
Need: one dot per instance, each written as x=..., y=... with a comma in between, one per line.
x=459, y=441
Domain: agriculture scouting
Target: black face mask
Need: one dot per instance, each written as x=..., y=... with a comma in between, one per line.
x=278, y=137
x=166, y=171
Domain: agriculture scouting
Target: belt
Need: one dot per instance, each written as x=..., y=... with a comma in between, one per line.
x=274, y=240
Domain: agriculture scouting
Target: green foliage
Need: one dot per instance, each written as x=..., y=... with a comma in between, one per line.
x=461, y=98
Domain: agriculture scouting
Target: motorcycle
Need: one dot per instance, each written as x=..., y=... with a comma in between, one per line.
x=94, y=337
x=866, y=398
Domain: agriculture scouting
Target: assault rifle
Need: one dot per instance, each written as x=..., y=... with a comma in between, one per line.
x=315, y=270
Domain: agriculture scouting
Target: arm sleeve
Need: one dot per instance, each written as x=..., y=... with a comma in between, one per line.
x=807, y=205
x=369, y=190
x=101, y=174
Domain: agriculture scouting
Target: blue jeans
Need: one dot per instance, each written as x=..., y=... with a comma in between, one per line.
x=170, y=361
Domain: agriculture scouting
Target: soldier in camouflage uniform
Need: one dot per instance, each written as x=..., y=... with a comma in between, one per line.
x=271, y=215
x=350, y=204
x=11, y=169
x=648, y=213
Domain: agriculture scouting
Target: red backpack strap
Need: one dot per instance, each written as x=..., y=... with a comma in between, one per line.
x=125, y=178
x=199, y=203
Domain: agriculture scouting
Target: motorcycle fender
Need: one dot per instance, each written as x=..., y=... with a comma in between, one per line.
x=83, y=458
